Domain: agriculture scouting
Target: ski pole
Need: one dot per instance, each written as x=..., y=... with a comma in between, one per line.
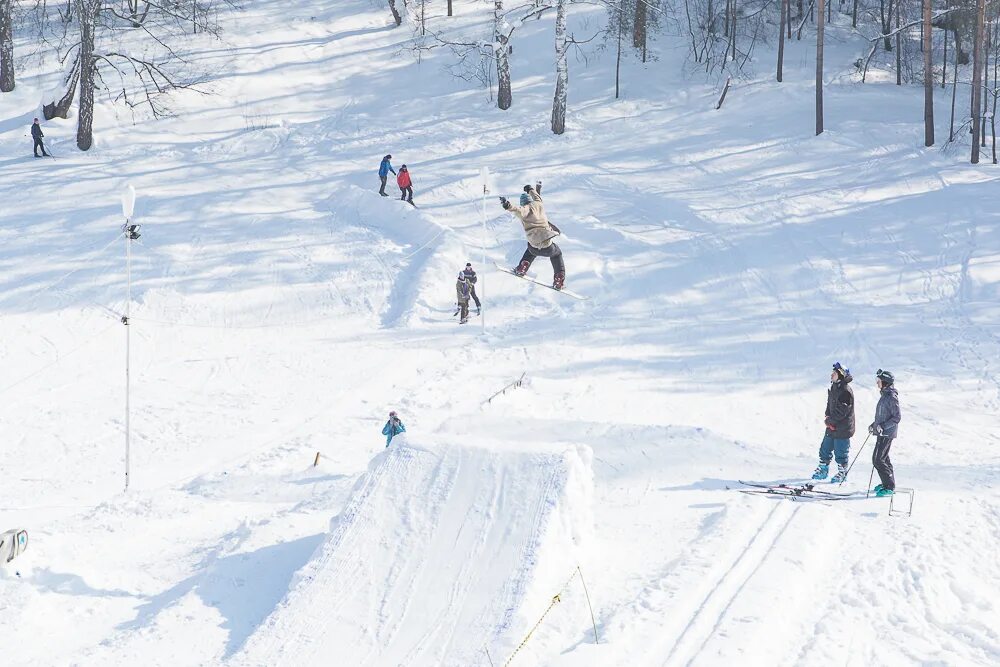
x=855, y=459
x=870, y=478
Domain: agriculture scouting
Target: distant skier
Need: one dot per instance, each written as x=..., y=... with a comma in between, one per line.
x=463, y=290
x=392, y=428
x=37, y=134
x=884, y=429
x=405, y=184
x=540, y=233
x=383, y=173
x=839, y=425
x=472, y=278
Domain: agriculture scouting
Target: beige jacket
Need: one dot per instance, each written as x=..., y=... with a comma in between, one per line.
x=536, y=225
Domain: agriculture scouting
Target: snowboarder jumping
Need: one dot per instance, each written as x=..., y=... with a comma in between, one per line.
x=540, y=233
x=37, y=134
x=392, y=428
x=470, y=276
x=383, y=173
x=884, y=427
x=839, y=422
x=463, y=291
x=405, y=184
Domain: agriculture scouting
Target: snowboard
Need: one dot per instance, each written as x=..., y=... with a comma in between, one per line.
x=567, y=292
x=12, y=543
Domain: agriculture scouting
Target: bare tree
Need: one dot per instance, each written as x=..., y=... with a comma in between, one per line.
x=977, y=70
x=501, y=38
x=395, y=13
x=820, y=15
x=781, y=38
x=6, y=46
x=640, y=27
x=559, y=100
x=71, y=79
x=928, y=76
x=86, y=11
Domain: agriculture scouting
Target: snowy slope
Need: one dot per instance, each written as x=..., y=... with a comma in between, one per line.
x=281, y=308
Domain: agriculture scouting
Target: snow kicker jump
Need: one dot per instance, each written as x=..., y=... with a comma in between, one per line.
x=431, y=560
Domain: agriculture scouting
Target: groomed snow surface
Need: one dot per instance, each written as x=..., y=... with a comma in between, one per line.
x=281, y=308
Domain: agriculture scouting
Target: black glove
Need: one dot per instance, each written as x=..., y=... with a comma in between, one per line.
x=504, y=202
x=872, y=429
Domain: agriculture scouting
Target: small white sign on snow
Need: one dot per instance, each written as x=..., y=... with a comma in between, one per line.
x=128, y=201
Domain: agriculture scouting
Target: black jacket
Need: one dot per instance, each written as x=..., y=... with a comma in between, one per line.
x=840, y=409
x=36, y=131
x=471, y=276
x=887, y=412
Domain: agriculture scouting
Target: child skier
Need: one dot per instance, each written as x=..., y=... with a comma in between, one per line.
x=383, y=173
x=884, y=429
x=540, y=233
x=463, y=290
x=392, y=428
x=839, y=425
x=405, y=184
x=470, y=276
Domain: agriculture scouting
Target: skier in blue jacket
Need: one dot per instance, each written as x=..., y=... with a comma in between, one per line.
x=392, y=428
x=383, y=173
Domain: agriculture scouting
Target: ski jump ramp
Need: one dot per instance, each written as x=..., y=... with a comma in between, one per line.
x=438, y=555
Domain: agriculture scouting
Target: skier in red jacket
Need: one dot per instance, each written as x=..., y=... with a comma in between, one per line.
x=405, y=184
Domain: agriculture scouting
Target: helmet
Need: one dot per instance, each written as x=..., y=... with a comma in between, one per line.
x=840, y=369
x=392, y=413
x=525, y=199
x=885, y=376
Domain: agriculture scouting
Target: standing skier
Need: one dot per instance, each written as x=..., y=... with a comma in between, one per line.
x=405, y=184
x=884, y=429
x=37, y=134
x=383, y=173
x=471, y=277
x=392, y=428
x=463, y=290
x=839, y=425
x=540, y=233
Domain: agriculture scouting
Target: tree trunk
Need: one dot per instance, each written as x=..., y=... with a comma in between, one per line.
x=504, y=96
x=6, y=46
x=395, y=13
x=562, y=71
x=854, y=15
x=954, y=93
x=977, y=70
x=944, y=62
x=928, y=77
x=899, y=48
x=618, y=55
x=449, y=9
x=87, y=13
x=732, y=31
x=71, y=80
x=819, y=66
x=781, y=38
x=639, y=32
x=987, y=47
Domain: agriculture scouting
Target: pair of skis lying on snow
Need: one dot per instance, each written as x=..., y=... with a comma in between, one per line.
x=805, y=491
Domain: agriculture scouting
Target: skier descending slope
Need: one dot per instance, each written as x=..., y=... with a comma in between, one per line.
x=392, y=428
x=540, y=233
x=839, y=425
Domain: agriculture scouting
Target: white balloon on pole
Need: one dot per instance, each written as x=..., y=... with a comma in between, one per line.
x=128, y=201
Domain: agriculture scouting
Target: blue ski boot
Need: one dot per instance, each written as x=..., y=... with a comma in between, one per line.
x=821, y=471
x=841, y=474
x=883, y=492
x=878, y=487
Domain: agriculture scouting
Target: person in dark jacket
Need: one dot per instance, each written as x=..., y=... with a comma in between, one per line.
x=383, y=173
x=37, y=134
x=392, y=428
x=463, y=291
x=471, y=277
x=405, y=184
x=839, y=421
x=884, y=428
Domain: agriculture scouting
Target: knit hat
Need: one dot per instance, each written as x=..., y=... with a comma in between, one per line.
x=525, y=199
x=841, y=371
x=885, y=376
x=468, y=265
x=403, y=168
x=461, y=275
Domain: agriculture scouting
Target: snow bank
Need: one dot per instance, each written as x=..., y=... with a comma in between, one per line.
x=440, y=554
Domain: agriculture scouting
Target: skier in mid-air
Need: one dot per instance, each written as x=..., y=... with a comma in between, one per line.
x=884, y=427
x=383, y=173
x=839, y=425
x=392, y=428
x=540, y=233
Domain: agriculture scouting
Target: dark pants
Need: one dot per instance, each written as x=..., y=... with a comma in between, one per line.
x=381, y=190
x=39, y=144
x=552, y=252
x=834, y=447
x=880, y=459
x=405, y=191
x=475, y=298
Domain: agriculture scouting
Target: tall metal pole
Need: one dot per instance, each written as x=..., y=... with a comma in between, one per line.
x=482, y=288
x=131, y=233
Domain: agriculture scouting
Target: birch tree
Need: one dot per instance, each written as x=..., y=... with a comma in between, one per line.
x=501, y=38
x=820, y=16
x=562, y=70
x=6, y=46
x=928, y=76
x=977, y=70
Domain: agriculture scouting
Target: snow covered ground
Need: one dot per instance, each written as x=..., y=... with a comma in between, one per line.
x=281, y=308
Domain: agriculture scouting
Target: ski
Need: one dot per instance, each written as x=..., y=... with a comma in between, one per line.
x=793, y=493
x=538, y=282
x=792, y=487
